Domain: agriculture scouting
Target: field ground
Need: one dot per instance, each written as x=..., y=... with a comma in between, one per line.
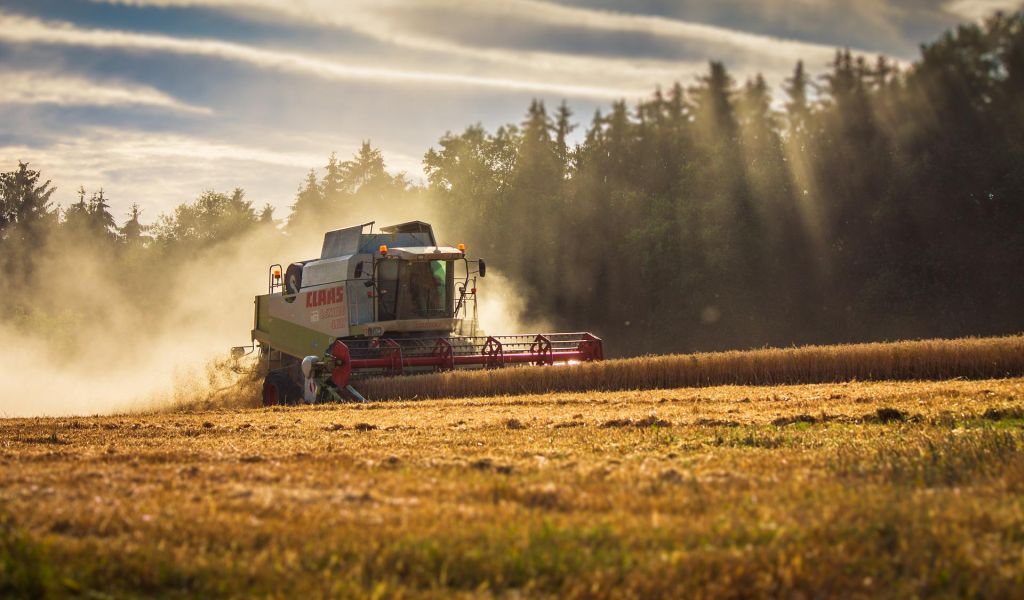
x=859, y=489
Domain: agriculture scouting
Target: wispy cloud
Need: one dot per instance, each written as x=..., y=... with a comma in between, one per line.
x=388, y=20
x=62, y=89
x=26, y=30
x=977, y=9
x=611, y=21
x=399, y=23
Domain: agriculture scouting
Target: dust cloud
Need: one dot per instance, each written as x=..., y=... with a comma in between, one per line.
x=502, y=308
x=95, y=342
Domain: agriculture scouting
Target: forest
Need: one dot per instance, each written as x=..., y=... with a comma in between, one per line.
x=875, y=201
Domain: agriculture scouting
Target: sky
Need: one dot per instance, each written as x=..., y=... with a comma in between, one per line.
x=157, y=101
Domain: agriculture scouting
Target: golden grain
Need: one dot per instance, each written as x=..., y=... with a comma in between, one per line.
x=969, y=358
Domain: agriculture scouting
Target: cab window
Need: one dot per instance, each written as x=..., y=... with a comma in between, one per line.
x=415, y=290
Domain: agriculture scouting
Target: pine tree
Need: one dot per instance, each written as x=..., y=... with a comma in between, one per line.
x=24, y=203
x=365, y=169
x=333, y=185
x=132, y=231
x=712, y=102
x=539, y=167
x=755, y=104
x=76, y=216
x=101, y=222
x=563, y=127
x=676, y=105
x=309, y=203
x=266, y=216
x=798, y=107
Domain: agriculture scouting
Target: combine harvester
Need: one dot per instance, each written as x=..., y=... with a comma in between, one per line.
x=388, y=303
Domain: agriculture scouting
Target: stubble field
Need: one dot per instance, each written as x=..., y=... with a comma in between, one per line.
x=860, y=489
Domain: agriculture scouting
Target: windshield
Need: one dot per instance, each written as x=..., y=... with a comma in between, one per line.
x=414, y=290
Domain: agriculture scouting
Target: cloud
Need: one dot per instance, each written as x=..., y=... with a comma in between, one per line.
x=687, y=46
x=440, y=27
x=978, y=9
x=61, y=89
x=387, y=20
x=611, y=21
x=26, y=30
x=892, y=27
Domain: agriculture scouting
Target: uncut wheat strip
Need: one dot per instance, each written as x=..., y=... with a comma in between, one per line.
x=971, y=358
x=751, y=367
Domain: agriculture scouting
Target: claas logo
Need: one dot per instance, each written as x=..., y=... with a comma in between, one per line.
x=334, y=295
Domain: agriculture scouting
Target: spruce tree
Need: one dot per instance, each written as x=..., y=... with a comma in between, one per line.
x=309, y=203
x=101, y=223
x=24, y=203
x=131, y=233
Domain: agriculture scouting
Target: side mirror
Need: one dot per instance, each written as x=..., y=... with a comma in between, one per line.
x=483, y=268
x=359, y=270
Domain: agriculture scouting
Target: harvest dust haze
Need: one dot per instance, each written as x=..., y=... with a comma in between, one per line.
x=94, y=343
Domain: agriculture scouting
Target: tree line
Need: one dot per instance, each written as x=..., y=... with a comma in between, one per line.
x=870, y=202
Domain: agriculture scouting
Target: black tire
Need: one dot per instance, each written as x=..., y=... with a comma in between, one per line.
x=278, y=388
x=292, y=281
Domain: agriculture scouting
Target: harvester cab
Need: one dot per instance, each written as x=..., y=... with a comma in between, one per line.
x=389, y=302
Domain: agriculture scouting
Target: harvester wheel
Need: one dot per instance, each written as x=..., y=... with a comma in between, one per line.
x=279, y=389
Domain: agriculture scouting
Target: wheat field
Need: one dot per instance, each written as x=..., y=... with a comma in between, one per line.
x=857, y=489
x=970, y=358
